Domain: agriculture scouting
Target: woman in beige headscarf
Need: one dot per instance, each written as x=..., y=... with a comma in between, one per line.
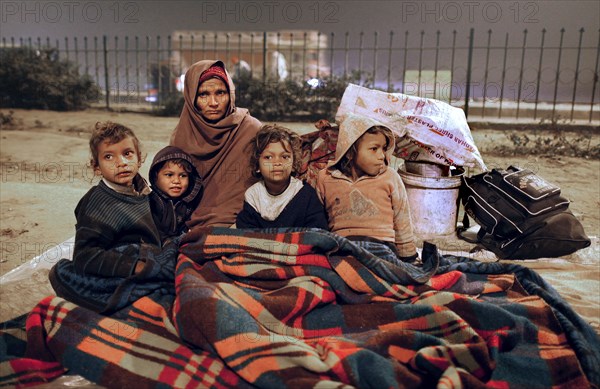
x=216, y=133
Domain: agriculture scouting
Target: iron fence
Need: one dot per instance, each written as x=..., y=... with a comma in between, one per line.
x=491, y=75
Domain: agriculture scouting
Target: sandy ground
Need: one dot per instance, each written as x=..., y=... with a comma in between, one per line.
x=44, y=173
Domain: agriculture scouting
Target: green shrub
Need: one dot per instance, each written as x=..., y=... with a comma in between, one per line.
x=280, y=100
x=38, y=79
x=171, y=105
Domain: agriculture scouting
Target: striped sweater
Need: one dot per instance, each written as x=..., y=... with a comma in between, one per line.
x=113, y=232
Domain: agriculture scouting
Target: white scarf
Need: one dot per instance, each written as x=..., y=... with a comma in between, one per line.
x=268, y=206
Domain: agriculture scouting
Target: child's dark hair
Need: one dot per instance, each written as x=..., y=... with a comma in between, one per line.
x=345, y=164
x=271, y=134
x=185, y=164
x=112, y=133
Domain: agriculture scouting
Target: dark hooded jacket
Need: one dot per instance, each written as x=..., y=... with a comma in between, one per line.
x=170, y=215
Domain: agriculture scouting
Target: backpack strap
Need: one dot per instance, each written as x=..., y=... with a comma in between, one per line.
x=466, y=224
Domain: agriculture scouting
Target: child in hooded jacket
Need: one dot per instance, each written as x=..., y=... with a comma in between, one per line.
x=364, y=197
x=176, y=191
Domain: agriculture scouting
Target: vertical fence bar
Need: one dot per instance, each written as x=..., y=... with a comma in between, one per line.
x=576, y=73
x=264, y=57
x=539, y=75
x=375, y=58
x=420, y=63
x=360, y=48
x=168, y=66
x=47, y=42
x=278, y=50
x=562, y=32
x=486, y=72
x=318, y=53
x=202, y=50
x=96, y=69
x=452, y=66
x=389, y=72
x=251, y=54
x=180, y=69
x=137, y=68
x=117, y=83
x=159, y=82
x=435, y=67
x=76, y=52
x=331, y=55
x=292, y=55
x=127, y=89
x=503, y=76
x=239, y=49
x=106, y=86
x=521, y=71
x=215, y=55
x=148, y=73
x=66, y=47
x=192, y=46
x=85, y=52
x=405, y=58
x=595, y=82
x=304, y=57
x=227, y=38
x=469, y=68
x=346, y=51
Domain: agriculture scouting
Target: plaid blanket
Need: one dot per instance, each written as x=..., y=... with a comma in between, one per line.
x=305, y=308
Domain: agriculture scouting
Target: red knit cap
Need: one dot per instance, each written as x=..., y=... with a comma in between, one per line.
x=212, y=72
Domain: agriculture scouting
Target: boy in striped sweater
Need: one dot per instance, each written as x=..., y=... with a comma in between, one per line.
x=118, y=256
x=115, y=229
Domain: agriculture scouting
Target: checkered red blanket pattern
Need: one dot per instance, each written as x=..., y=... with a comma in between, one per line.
x=295, y=309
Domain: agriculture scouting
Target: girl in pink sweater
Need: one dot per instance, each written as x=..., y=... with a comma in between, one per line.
x=365, y=199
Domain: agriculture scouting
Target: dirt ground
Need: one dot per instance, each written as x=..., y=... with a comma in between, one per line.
x=44, y=173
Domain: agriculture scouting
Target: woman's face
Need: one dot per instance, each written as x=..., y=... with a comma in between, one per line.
x=212, y=100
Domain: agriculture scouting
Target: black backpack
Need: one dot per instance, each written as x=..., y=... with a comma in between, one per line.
x=522, y=216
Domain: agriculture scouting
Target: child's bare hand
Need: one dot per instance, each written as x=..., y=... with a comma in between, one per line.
x=139, y=266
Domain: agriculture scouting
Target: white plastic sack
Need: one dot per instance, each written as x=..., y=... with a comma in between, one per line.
x=429, y=130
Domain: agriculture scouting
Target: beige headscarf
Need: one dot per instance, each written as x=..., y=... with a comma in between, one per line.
x=219, y=151
x=352, y=127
